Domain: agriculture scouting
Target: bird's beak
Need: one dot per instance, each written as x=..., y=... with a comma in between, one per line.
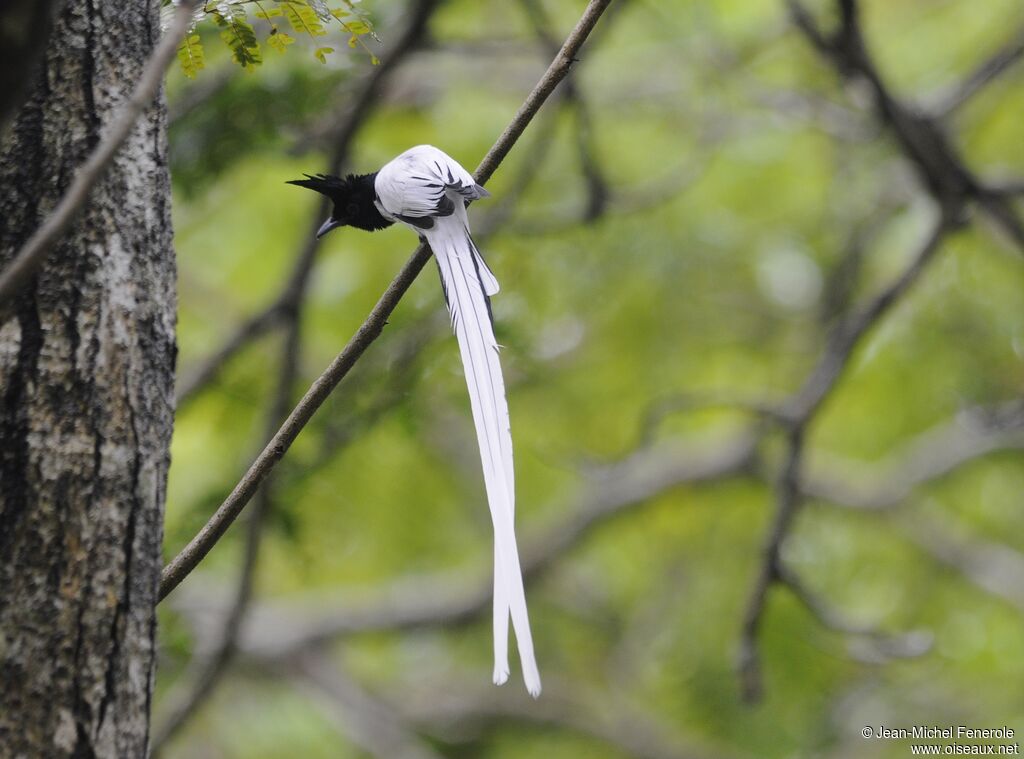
x=326, y=227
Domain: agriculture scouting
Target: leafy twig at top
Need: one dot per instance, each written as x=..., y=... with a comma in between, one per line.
x=307, y=18
x=239, y=35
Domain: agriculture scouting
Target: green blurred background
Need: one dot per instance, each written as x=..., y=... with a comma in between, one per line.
x=672, y=246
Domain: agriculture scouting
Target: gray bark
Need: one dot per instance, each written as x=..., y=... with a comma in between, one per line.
x=86, y=402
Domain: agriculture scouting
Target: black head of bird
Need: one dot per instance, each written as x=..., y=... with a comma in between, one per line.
x=352, y=199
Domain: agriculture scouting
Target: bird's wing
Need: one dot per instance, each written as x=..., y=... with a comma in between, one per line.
x=423, y=184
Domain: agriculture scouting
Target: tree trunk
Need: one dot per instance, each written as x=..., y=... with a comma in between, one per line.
x=86, y=402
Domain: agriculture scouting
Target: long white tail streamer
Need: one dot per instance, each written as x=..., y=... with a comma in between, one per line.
x=467, y=283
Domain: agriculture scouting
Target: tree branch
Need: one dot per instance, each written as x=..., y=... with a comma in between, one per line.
x=193, y=553
x=33, y=253
x=994, y=568
x=919, y=135
x=251, y=329
x=370, y=724
x=847, y=334
x=875, y=646
x=799, y=412
x=787, y=501
x=597, y=187
x=186, y=699
x=928, y=457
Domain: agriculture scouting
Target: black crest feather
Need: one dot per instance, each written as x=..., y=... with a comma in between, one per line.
x=353, y=197
x=333, y=187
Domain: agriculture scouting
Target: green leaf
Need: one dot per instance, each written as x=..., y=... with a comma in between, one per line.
x=359, y=24
x=303, y=20
x=239, y=35
x=190, y=56
x=279, y=40
x=356, y=27
x=268, y=14
x=321, y=53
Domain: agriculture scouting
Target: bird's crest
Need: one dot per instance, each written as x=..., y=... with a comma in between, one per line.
x=333, y=187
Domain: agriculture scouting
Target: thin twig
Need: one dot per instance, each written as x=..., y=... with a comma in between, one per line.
x=200, y=545
x=870, y=644
x=787, y=500
x=251, y=329
x=993, y=567
x=1001, y=61
x=848, y=333
x=34, y=252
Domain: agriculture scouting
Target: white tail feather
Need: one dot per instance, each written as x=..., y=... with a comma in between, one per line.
x=466, y=281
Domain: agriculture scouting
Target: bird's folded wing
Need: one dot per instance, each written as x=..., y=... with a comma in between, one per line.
x=424, y=182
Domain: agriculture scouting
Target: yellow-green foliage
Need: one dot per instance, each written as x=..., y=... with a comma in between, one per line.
x=190, y=55
x=307, y=18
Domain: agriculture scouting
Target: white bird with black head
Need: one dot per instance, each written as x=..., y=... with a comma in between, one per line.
x=428, y=191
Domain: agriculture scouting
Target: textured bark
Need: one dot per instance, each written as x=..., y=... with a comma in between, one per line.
x=86, y=402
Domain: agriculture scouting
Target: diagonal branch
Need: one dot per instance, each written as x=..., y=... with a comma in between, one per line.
x=200, y=545
x=993, y=567
x=787, y=500
x=245, y=333
x=33, y=253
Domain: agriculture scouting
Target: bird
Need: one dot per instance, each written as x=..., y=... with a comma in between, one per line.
x=429, y=192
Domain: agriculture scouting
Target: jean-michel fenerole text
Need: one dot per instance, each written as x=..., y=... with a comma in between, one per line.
x=960, y=732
